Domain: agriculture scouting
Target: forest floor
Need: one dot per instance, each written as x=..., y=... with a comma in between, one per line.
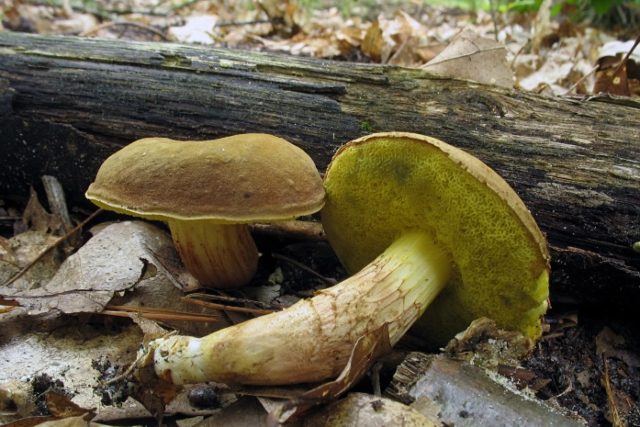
x=588, y=361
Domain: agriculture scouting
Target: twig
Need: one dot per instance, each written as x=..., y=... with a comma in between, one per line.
x=580, y=80
x=328, y=280
x=227, y=298
x=310, y=230
x=107, y=25
x=492, y=6
x=241, y=23
x=611, y=399
x=50, y=248
x=158, y=314
x=626, y=58
x=223, y=307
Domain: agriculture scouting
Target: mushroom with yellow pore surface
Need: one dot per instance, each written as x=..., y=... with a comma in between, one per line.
x=207, y=192
x=386, y=186
x=425, y=217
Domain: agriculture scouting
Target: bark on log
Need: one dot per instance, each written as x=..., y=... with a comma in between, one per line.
x=66, y=103
x=462, y=394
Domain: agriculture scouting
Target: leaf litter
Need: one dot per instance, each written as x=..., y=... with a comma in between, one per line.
x=552, y=57
x=545, y=53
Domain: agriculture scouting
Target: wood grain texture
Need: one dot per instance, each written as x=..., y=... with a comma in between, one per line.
x=463, y=394
x=66, y=103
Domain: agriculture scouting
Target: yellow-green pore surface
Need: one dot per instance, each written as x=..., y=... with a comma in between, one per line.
x=383, y=185
x=242, y=178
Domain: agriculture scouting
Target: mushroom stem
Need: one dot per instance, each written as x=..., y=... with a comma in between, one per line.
x=218, y=255
x=311, y=340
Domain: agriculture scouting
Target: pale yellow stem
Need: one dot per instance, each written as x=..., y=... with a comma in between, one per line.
x=311, y=340
x=219, y=256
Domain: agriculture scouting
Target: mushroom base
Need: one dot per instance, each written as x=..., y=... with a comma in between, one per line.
x=219, y=256
x=312, y=340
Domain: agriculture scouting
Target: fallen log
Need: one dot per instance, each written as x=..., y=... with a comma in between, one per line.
x=66, y=103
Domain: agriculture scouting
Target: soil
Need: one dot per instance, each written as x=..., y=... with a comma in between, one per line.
x=591, y=366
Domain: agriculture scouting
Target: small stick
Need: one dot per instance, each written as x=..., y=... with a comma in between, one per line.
x=223, y=307
x=328, y=280
x=227, y=298
x=241, y=23
x=611, y=400
x=580, y=80
x=123, y=23
x=494, y=18
x=50, y=248
x=308, y=230
x=164, y=316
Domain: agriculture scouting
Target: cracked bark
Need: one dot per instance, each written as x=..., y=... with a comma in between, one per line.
x=67, y=103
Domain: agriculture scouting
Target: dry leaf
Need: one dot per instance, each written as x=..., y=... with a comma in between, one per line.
x=197, y=29
x=623, y=81
x=488, y=345
x=62, y=407
x=245, y=412
x=365, y=410
x=611, y=78
x=78, y=421
x=373, y=42
x=36, y=218
x=117, y=259
x=610, y=344
x=34, y=234
x=474, y=58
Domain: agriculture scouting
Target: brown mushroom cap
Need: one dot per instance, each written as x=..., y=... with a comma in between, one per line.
x=238, y=179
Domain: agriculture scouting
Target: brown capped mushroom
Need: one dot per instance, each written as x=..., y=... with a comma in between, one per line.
x=207, y=192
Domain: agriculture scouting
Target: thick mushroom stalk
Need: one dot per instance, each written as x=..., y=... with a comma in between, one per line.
x=224, y=254
x=311, y=340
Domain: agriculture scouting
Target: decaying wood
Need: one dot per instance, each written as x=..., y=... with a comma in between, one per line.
x=464, y=395
x=67, y=103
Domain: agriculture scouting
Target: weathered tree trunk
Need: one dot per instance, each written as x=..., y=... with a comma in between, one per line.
x=66, y=103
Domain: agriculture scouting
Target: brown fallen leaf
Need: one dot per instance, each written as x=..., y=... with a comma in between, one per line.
x=61, y=406
x=373, y=42
x=77, y=421
x=474, y=58
x=117, y=259
x=612, y=75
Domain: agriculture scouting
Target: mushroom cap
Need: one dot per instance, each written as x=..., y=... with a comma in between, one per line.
x=238, y=179
x=383, y=185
